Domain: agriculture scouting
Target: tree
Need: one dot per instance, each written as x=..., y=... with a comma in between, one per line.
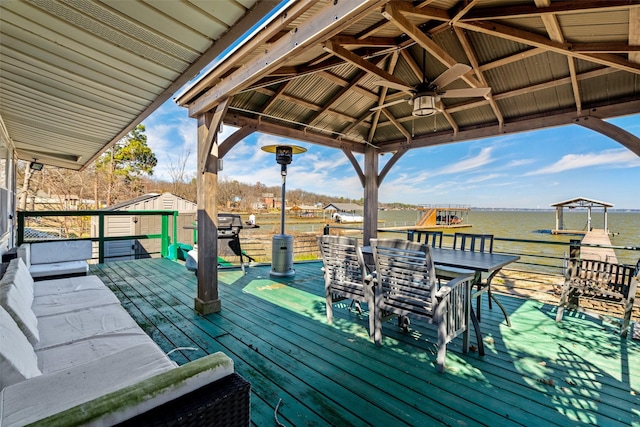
x=125, y=163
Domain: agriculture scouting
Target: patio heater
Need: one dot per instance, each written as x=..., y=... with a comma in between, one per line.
x=282, y=244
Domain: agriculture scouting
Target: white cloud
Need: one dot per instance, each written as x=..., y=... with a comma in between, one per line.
x=470, y=163
x=619, y=157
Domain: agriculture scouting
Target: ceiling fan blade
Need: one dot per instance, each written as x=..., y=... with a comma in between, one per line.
x=393, y=85
x=397, y=101
x=466, y=93
x=455, y=72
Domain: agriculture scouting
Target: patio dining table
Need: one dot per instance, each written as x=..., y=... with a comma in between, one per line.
x=478, y=262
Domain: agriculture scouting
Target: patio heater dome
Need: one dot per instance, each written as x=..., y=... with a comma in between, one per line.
x=282, y=244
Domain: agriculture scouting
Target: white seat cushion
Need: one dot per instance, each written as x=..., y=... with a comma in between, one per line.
x=59, y=268
x=60, y=251
x=68, y=284
x=18, y=275
x=65, y=356
x=64, y=389
x=65, y=328
x=47, y=305
x=18, y=361
x=20, y=310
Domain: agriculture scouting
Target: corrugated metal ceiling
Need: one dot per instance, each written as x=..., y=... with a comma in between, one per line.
x=77, y=75
x=513, y=45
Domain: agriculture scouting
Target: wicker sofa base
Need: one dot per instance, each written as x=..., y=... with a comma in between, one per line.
x=225, y=402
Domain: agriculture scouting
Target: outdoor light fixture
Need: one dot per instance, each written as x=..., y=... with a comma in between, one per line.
x=282, y=244
x=424, y=105
x=36, y=166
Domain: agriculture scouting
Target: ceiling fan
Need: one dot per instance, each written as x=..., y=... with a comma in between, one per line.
x=425, y=96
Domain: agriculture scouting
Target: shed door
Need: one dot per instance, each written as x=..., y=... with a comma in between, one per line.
x=119, y=250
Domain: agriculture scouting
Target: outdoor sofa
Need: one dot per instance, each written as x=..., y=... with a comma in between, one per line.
x=57, y=258
x=71, y=355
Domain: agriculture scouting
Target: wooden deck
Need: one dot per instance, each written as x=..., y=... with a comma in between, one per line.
x=536, y=373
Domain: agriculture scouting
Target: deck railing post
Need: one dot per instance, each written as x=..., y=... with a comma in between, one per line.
x=574, y=248
x=325, y=231
x=20, y=228
x=100, y=237
x=164, y=245
x=410, y=234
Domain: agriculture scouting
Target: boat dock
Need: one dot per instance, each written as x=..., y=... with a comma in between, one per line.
x=598, y=237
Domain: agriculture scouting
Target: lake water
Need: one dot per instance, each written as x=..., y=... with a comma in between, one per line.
x=536, y=225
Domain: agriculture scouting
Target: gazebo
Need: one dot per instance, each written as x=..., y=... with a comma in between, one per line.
x=376, y=77
x=367, y=77
x=579, y=202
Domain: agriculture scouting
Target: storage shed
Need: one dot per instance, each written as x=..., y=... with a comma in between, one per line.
x=132, y=225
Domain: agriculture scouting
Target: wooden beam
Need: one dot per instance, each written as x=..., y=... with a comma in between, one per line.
x=464, y=9
x=392, y=13
x=397, y=124
x=525, y=37
x=355, y=164
x=614, y=132
x=335, y=98
x=307, y=135
x=541, y=121
x=207, y=300
x=328, y=21
x=361, y=63
x=370, y=224
x=206, y=146
x=511, y=59
x=471, y=55
x=233, y=139
x=355, y=42
x=552, y=26
x=381, y=99
x=392, y=161
x=267, y=33
x=557, y=7
x=634, y=33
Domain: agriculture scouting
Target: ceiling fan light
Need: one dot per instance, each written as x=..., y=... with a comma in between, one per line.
x=424, y=105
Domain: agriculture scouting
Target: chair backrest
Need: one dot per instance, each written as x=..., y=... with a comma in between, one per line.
x=343, y=264
x=601, y=279
x=473, y=242
x=405, y=274
x=431, y=238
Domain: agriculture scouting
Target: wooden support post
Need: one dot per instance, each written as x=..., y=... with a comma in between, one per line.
x=370, y=194
x=207, y=301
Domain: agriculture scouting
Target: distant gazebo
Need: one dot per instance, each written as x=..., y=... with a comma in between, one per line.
x=579, y=202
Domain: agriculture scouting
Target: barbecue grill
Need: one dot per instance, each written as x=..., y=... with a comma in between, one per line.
x=229, y=226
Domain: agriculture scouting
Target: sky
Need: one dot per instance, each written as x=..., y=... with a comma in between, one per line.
x=525, y=170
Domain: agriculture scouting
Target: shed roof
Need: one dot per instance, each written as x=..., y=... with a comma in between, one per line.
x=582, y=202
x=164, y=201
x=343, y=207
x=76, y=77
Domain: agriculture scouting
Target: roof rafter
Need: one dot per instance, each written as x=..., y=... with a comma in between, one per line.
x=526, y=37
x=558, y=7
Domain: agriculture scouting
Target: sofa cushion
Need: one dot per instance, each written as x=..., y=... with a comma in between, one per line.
x=60, y=251
x=18, y=361
x=55, y=358
x=68, y=284
x=64, y=389
x=20, y=310
x=59, y=268
x=141, y=397
x=47, y=305
x=18, y=275
x=65, y=328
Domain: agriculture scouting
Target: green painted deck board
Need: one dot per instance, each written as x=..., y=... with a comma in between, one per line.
x=276, y=333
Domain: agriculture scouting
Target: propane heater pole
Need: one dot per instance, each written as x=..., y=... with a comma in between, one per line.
x=282, y=244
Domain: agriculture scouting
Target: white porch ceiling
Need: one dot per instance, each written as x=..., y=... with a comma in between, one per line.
x=77, y=75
